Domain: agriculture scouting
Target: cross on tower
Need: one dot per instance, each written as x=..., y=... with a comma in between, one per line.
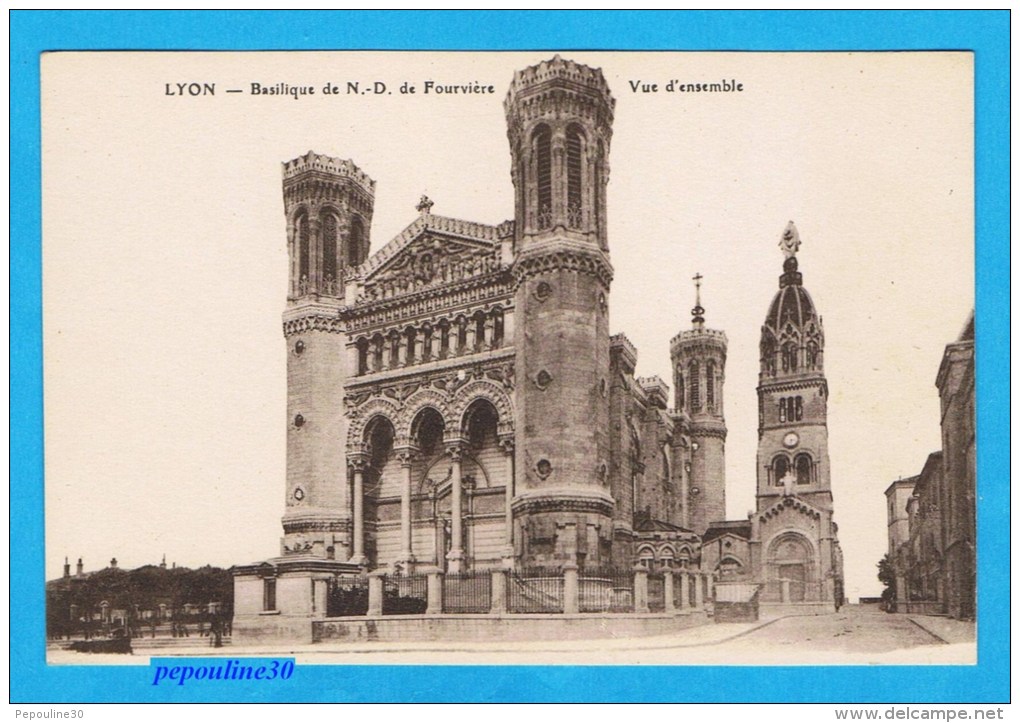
x=697, y=312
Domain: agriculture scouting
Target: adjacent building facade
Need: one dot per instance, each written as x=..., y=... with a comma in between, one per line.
x=932, y=517
x=457, y=401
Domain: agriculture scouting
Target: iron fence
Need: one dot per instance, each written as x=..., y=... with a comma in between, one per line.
x=347, y=595
x=534, y=591
x=467, y=592
x=405, y=594
x=603, y=590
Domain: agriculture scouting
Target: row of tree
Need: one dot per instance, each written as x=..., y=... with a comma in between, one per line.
x=73, y=604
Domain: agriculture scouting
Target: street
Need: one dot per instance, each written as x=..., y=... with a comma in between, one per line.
x=853, y=636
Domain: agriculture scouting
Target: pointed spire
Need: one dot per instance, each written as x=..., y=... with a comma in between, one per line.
x=698, y=312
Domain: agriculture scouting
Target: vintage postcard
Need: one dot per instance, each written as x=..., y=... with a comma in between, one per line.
x=544, y=358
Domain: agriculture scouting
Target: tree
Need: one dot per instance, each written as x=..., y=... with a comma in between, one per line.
x=887, y=576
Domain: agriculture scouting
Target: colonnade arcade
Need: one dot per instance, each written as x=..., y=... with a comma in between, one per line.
x=432, y=481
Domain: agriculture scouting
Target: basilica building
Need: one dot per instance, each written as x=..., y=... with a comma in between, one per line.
x=457, y=401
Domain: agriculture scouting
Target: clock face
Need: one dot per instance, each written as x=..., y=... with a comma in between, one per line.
x=790, y=440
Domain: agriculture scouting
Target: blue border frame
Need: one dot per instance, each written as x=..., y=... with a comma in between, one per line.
x=984, y=32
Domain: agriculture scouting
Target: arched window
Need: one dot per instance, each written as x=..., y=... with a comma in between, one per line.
x=575, y=146
x=798, y=408
x=782, y=409
x=646, y=558
x=695, y=392
x=666, y=558
x=329, y=238
x=377, y=352
x=679, y=387
x=355, y=241
x=303, y=250
x=710, y=384
x=683, y=558
x=780, y=468
x=768, y=353
x=427, y=431
x=789, y=357
x=812, y=355
x=803, y=466
x=412, y=336
x=480, y=422
x=542, y=141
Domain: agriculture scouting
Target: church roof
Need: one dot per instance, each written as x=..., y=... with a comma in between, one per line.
x=737, y=528
x=645, y=523
x=792, y=303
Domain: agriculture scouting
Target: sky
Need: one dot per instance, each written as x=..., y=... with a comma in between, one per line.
x=165, y=267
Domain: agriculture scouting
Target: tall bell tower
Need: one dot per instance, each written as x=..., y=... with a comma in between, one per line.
x=559, y=117
x=699, y=366
x=328, y=204
x=793, y=439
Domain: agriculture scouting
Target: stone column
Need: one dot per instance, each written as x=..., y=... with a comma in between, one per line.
x=357, y=464
x=498, y=603
x=685, y=590
x=667, y=588
x=699, y=591
x=710, y=579
x=456, y=554
x=508, y=327
x=319, y=592
x=292, y=254
x=435, y=592
x=640, y=590
x=315, y=249
x=405, y=456
x=385, y=358
x=570, y=589
x=375, y=593
x=507, y=443
x=353, y=368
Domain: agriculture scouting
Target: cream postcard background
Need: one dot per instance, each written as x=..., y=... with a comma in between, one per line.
x=165, y=262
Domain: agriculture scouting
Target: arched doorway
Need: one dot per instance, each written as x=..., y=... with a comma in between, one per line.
x=791, y=568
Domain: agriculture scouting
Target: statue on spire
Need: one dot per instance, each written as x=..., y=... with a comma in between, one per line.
x=790, y=241
x=425, y=205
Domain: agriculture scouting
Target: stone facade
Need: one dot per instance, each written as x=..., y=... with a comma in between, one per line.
x=932, y=517
x=456, y=400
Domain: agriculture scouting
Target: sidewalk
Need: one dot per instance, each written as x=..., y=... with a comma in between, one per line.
x=947, y=629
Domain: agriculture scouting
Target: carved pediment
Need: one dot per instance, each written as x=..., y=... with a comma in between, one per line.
x=431, y=260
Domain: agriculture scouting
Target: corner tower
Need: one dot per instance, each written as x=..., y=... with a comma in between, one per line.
x=699, y=370
x=559, y=117
x=793, y=439
x=328, y=205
